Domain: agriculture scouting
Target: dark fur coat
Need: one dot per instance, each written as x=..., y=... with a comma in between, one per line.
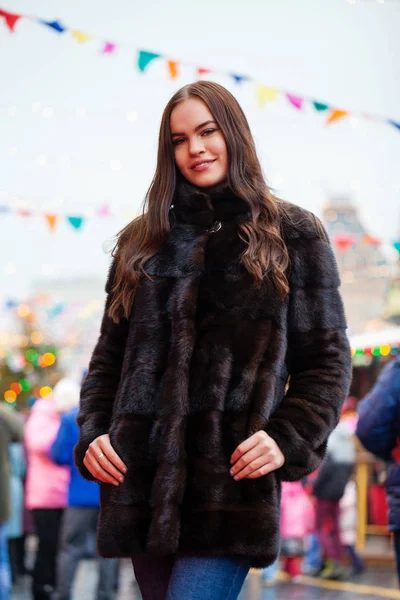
x=200, y=366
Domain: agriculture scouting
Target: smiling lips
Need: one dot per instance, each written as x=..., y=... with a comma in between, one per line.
x=202, y=165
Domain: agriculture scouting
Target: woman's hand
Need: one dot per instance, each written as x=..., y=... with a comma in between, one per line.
x=103, y=462
x=256, y=456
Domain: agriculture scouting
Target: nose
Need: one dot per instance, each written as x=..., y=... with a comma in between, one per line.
x=196, y=146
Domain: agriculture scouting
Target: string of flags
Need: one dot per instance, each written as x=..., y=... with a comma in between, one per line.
x=345, y=241
x=52, y=219
x=264, y=93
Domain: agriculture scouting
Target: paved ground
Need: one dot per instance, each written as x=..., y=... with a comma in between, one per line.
x=373, y=584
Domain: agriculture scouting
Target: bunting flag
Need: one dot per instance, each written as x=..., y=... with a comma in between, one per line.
x=320, y=107
x=371, y=240
x=335, y=115
x=79, y=36
x=76, y=222
x=104, y=211
x=51, y=220
x=9, y=18
x=145, y=58
x=172, y=69
x=23, y=212
x=108, y=48
x=396, y=246
x=239, y=78
x=295, y=100
x=201, y=71
x=56, y=25
x=264, y=93
x=343, y=242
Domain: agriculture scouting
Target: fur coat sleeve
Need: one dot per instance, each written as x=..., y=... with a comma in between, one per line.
x=100, y=385
x=319, y=358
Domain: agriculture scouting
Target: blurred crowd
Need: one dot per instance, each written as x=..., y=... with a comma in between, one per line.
x=43, y=497
x=48, y=498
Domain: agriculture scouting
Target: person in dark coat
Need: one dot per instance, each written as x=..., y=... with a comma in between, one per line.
x=80, y=517
x=217, y=294
x=378, y=429
x=328, y=489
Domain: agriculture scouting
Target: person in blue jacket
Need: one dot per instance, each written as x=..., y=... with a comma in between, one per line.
x=80, y=517
x=378, y=429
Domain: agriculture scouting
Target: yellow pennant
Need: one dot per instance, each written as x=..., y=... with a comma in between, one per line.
x=79, y=36
x=335, y=115
x=265, y=94
x=173, y=69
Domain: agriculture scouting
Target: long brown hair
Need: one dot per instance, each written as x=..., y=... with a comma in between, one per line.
x=144, y=236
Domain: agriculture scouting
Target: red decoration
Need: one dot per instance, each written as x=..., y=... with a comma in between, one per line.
x=201, y=71
x=10, y=19
x=343, y=242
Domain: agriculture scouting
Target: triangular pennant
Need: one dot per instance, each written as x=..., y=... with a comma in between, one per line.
x=202, y=71
x=335, y=115
x=108, y=48
x=343, y=242
x=104, y=211
x=80, y=37
x=395, y=124
x=265, y=94
x=4, y=208
x=296, y=101
x=56, y=25
x=371, y=240
x=145, y=58
x=23, y=212
x=10, y=19
x=76, y=222
x=320, y=106
x=239, y=78
x=396, y=246
x=172, y=69
x=51, y=220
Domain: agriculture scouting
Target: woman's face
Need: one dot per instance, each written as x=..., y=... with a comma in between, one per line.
x=201, y=154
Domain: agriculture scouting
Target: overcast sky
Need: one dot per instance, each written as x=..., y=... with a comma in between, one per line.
x=346, y=55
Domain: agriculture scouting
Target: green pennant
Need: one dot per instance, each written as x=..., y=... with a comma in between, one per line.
x=145, y=58
x=76, y=222
x=320, y=107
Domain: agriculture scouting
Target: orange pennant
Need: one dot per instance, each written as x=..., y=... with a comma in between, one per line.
x=173, y=69
x=51, y=220
x=335, y=115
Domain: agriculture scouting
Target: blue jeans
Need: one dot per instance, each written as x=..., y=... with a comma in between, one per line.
x=190, y=578
x=5, y=575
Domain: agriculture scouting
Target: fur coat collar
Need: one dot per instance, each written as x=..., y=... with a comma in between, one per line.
x=202, y=363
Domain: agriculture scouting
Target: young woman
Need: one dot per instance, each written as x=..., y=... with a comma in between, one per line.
x=217, y=295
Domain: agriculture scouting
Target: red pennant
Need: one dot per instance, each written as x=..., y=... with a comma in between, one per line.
x=10, y=18
x=201, y=71
x=343, y=242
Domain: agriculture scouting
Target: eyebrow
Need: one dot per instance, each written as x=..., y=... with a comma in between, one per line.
x=196, y=128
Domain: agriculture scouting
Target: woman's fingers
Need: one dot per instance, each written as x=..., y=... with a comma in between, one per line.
x=105, y=446
x=245, y=460
x=259, y=465
x=97, y=470
x=103, y=460
x=244, y=447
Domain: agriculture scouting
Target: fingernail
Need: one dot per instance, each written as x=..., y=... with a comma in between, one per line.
x=124, y=470
x=121, y=479
x=236, y=478
x=231, y=471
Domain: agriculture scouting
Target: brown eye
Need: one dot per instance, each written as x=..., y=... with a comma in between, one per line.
x=178, y=141
x=208, y=131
